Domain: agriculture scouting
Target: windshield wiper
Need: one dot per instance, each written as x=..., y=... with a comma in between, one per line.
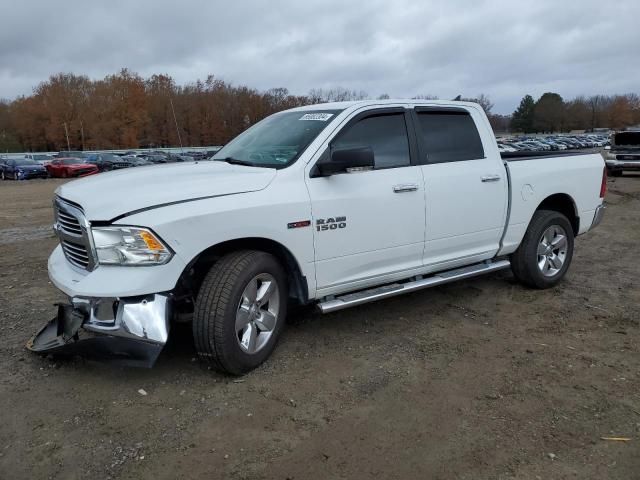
x=235, y=161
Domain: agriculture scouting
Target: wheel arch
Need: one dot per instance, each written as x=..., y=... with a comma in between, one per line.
x=197, y=268
x=564, y=204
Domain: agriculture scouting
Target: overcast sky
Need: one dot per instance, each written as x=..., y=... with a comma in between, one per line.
x=503, y=48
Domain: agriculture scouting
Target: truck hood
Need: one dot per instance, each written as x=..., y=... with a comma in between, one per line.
x=116, y=194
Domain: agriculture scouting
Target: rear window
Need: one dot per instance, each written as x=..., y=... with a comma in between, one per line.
x=449, y=136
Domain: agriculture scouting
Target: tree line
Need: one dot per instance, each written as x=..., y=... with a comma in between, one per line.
x=550, y=113
x=124, y=110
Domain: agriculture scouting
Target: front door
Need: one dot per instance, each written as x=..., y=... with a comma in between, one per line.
x=369, y=225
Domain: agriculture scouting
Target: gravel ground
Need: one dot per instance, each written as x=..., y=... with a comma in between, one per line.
x=473, y=380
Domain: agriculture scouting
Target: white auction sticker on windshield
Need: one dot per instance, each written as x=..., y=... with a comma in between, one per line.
x=323, y=117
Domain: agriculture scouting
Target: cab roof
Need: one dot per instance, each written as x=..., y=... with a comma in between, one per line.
x=382, y=103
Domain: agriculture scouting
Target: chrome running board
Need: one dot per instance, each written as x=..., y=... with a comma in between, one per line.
x=333, y=304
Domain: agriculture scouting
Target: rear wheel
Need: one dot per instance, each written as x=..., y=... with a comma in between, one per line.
x=64, y=174
x=240, y=311
x=544, y=255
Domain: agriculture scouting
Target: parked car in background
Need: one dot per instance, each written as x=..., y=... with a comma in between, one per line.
x=72, y=154
x=40, y=158
x=624, y=153
x=156, y=158
x=108, y=161
x=197, y=155
x=555, y=144
x=136, y=161
x=21, y=169
x=172, y=157
x=502, y=147
x=70, y=167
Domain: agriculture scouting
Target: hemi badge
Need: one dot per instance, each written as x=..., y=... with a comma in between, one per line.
x=300, y=224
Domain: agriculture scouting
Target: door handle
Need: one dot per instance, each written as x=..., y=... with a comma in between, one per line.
x=490, y=178
x=405, y=187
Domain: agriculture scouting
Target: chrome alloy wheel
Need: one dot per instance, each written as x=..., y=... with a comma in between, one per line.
x=552, y=250
x=257, y=313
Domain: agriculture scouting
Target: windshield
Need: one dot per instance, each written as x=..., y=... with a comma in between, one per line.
x=42, y=157
x=71, y=161
x=26, y=161
x=278, y=140
x=74, y=154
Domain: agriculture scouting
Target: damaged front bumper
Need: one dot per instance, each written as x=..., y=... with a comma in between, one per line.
x=130, y=331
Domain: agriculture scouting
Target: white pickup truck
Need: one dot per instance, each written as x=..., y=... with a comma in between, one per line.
x=335, y=205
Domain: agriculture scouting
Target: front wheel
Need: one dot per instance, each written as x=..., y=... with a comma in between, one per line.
x=544, y=256
x=240, y=311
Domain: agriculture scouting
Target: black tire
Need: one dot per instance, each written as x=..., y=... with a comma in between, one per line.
x=214, y=321
x=615, y=173
x=524, y=261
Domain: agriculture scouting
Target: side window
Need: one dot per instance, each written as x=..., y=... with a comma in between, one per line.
x=385, y=134
x=449, y=136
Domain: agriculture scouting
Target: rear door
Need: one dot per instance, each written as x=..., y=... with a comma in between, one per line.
x=369, y=225
x=465, y=184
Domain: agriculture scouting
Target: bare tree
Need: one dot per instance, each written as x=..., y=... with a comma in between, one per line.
x=424, y=97
x=482, y=100
x=335, y=94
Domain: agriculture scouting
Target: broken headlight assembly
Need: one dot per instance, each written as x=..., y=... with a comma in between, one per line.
x=129, y=246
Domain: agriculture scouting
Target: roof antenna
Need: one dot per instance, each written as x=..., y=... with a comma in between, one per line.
x=176, y=121
x=458, y=98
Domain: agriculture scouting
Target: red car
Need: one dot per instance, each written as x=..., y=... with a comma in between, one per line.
x=70, y=167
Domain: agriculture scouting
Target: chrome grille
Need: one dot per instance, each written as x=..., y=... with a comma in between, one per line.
x=74, y=233
x=76, y=254
x=69, y=223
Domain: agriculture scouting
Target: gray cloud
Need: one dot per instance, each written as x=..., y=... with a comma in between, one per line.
x=502, y=48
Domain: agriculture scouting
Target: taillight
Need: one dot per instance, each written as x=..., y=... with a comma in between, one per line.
x=603, y=186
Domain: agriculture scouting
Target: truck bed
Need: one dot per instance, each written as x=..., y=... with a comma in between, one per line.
x=577, y=175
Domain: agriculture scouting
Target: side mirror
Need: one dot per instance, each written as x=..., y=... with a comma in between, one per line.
x=342, y=160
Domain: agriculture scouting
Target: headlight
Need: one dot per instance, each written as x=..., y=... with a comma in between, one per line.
x=129, y=246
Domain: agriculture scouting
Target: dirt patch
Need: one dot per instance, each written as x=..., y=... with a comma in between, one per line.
x=479, y=379
x=18, y=234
